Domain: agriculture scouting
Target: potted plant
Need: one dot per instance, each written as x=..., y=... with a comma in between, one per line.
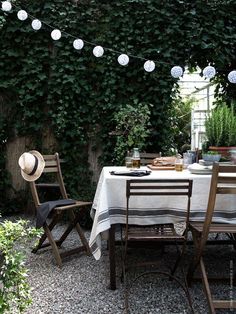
x=211, y=156
x=220, y=128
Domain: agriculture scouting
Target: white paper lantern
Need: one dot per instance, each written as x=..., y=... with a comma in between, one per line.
x=232, y=76
x=149, y=66
x=176, y=71
x=78, y=44
x=6, y=6
x=98, y=51
x=36, y=24
x=123, y=59
x=209, y=71
x=56, y=34
x=22, y=15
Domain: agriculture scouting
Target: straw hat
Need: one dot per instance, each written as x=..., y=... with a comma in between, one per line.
x=32, y=165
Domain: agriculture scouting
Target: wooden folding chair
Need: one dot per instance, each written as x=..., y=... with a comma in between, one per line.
x=223, y=182
x=52, y=168
x=161, y=233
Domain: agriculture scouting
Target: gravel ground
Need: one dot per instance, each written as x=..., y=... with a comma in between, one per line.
x=81, y=285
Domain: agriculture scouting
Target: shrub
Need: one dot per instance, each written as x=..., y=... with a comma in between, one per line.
x=132, y=129
x=14, y=288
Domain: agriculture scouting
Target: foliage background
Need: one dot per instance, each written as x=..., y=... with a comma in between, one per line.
x=48, y=86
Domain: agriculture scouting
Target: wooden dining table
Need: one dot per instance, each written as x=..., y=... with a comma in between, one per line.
x=109, y=207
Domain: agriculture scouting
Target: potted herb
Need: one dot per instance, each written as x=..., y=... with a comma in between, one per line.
x=220, y=128
x=211, y=156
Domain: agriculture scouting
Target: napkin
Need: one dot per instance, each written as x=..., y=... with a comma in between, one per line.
x=135, y=173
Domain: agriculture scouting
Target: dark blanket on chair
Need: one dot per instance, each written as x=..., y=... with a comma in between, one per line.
x=45, y=208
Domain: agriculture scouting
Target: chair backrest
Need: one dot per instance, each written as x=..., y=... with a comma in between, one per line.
x=147, y=158
x=52, y=166
x=223, y=181
x=158, y=187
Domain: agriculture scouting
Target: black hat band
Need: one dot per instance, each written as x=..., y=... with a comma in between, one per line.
x=35, y=167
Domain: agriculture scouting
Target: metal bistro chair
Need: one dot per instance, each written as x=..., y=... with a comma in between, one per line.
x=52, y=168
x=223, y=182
x=162, y=233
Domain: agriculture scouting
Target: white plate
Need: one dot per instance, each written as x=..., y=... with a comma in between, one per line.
x=205, y=163
x=201, y=171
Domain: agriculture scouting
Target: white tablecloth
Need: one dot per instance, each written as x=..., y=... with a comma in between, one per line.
x=109, y=204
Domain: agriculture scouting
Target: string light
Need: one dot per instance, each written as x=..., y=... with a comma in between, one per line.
x=22, y=15
x=209, y=72
x=149, y=66
x=56, y=34
x=98, y=51
x=78, y=44
x=232, y=76
x=6, y=6
x=123, y=59
x=36, y=24
x=176, y=71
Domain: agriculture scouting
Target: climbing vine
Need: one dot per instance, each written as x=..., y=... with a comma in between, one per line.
x=54, y=87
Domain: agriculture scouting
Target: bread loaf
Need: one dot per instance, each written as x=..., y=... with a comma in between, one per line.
x=164, y=161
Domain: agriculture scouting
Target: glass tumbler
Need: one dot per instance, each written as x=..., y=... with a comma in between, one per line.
x=179, y=165
x=187, y=159
x=128, y=162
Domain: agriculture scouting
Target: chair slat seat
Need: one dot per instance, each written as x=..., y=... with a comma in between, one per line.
x=165, y=232
x=152, y=236
x=214, y=227
x=77, y=204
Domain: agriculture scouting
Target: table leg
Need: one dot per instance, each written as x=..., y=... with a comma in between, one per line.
x=112, y=257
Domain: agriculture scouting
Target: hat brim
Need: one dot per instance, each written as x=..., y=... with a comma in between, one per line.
x=39, y=170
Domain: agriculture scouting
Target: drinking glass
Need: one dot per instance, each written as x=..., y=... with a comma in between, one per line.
x=179, y=165
x=187, y=159
x=128, y=162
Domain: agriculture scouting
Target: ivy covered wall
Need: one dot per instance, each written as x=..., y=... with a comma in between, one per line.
x=48, y=87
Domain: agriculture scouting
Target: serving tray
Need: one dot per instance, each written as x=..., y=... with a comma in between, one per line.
x=161, y=167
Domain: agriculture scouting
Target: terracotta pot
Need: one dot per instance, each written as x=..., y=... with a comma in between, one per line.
x=223, y=150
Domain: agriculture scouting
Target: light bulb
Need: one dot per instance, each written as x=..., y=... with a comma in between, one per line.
x=6, y=6
x=176, y=71
x=232, y=76
x=36, y=24
x=56, y=34
x=209, y=71
x=22, y=15
x=123, y=59
x=78, y=44
x=98, y=51
x=149, y=66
